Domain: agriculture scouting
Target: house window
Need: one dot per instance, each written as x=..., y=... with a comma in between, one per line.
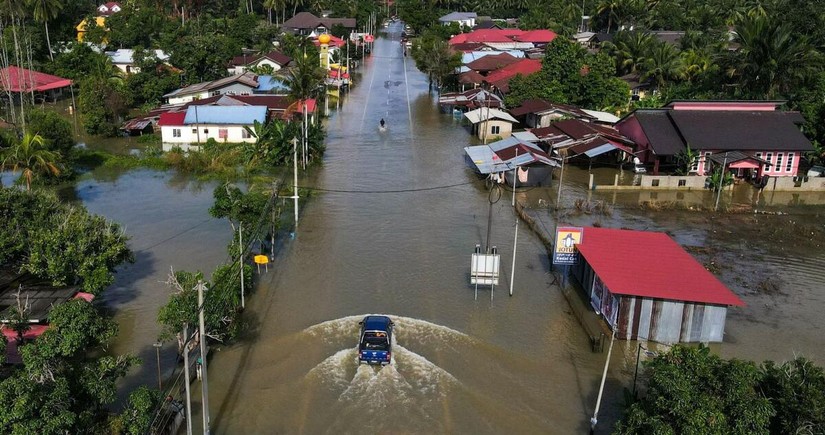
x=495, y=129
x=778, y=167
x=769, y=159
x=205, y=131
x=705, y=160
x=214, y=93
x=245, y=134
x=223, y=133
x=194, y=131
x=789, y=165
x=654, y=183
x=175, y=132
x=694, y=167
x=682, y=183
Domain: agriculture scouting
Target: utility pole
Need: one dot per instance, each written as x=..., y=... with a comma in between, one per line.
x=721, y=182
x=515, y=239
x=295, y=177
x=202, y=334
x=186, y=374
x=157, y=346
x=595, y=419
x=240, y=260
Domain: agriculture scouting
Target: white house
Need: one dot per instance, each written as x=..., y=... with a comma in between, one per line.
x=489, y=123
x=239, y=84
x=198, y=124
x=274, y=60
x=462, y=18
x=123, y=59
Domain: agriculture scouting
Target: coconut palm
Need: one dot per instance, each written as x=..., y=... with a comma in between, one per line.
x=30, y=156
x=631, y=49
x=771, y=59
x=609, y=8
x=306, y=78
x=45, y=11
x=661, y=64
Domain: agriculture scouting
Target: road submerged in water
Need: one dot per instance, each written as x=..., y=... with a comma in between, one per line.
x=390, y=231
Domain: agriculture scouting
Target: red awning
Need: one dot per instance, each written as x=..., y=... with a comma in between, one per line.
x=18, y=79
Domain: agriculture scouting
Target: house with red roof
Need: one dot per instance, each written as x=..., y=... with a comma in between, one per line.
x=22, y=81
x=647, y=287
x=500, y=79
x=505, y=39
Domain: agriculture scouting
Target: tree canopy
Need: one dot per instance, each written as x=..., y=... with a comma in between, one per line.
x=690, y=390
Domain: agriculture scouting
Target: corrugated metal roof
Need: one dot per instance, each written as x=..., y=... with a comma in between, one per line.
x=650, y=264
x=484, y=113
x=225, y=115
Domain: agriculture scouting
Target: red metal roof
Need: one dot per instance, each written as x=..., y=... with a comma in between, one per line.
x=172, y=118
x=650, y=264
x=541, y=36
x=524, y=67
x=18, y=79
x=485, y=35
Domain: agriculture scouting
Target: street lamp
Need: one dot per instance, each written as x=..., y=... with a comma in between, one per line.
x=157, y=346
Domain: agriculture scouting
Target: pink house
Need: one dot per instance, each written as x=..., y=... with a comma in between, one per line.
x=751, y=138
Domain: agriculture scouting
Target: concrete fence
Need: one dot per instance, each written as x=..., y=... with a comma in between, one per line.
x=654, y=182
x=696, y=182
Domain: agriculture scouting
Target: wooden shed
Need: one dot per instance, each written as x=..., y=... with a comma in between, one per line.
x=647, y=287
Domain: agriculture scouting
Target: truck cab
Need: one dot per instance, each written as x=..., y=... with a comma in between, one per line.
x=375, y=340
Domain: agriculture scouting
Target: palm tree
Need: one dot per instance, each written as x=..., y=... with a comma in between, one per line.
x=631, y=49
x=661, y=64
x=306, y=78
x=30, y=156
x=45, y=11
x=771, y=60
x=609, y=7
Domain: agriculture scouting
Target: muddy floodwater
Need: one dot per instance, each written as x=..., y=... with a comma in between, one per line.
x=390, y=230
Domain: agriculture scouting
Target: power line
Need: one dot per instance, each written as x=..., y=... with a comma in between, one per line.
x=422, y=189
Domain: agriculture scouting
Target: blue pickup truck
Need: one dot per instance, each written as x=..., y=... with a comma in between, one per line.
x=375, y=343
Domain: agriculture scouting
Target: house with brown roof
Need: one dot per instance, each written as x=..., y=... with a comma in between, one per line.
x=274, y=60
x=584, y=139
x=751, y=138
x=305, y=23
x=536, y=113
x=487, y=64
x=239, y=84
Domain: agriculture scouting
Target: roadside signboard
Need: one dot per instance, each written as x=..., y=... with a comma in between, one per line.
x=564, y=248
x=369, y=38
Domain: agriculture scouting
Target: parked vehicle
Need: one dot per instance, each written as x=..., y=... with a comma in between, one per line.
x=816, y=171
x=375, y=342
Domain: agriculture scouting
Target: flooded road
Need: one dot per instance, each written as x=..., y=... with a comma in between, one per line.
x=391, y=230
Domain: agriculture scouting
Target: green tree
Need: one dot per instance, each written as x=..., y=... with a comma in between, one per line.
x=45, y=11
x=61, y=388
x=772, y=59
x=76, y=248
x=306, y=78
x=434, y=57
x=136, y=418
x=30, y=156
x=796, y=389
x=55, y=130
x=691, y=391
